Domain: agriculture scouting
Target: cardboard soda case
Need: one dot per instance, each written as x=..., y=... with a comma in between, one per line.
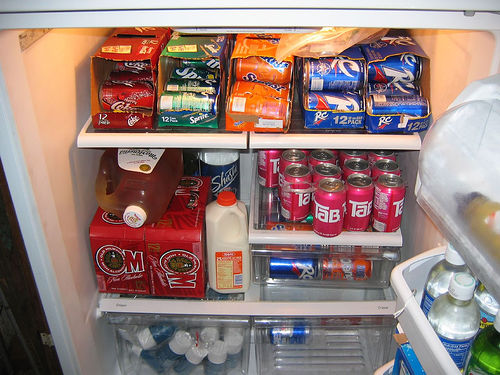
x=119, y=255
x=135, y=50
x=176, y=243
x=183, y=56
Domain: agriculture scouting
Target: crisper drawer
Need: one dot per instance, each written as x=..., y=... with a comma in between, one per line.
x=149, y=344
x=324, y=265
x=323, y=345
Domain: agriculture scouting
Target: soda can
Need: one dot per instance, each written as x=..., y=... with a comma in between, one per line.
x=193, y=85
x=346, y=269
x=132, y=66
x=356, y=165
x=126, y=96
x=388, y=203
x=210, y=64
x=334, y=101
x=296, y=192
x=263, y=89
x=373, y=156
x=263, y=69
x=351, y=154
x=188, y=101
x=131, y=75
x=411, y=105
x=384, y=166
x=334, y=74
x=326, y=170
x=329, y=204
x=299, y=269
x=320, y=157
x=268, y=167
x=265, y=107
x=289, y=335
x=396, y=88
x=191, y=72
x=288, y=157
x=400, y=68
x=359, y=199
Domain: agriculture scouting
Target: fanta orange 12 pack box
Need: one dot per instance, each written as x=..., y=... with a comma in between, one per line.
x=119, y=255
x=176, y=243
x=123, y=75
x=260, y=88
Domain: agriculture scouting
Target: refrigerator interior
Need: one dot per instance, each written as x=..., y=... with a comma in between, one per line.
x=45, y=92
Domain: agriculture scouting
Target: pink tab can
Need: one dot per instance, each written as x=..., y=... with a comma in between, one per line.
x=288, y=157
x=351, y=154
x=388, y=203
x=356, y=165
x=328, y=207
x=385, y=166
x=320, y=157
x=373, y=156
x=326, y=170
x=296, y=192
x=359, y=202
x=268, y=167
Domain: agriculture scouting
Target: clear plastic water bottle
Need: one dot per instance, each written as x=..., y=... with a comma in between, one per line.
x=216, y=359
x=455, y=317
x=154, y=335
x=484, y=356
x=187, y=364
x=439, y=277
x=233, y=338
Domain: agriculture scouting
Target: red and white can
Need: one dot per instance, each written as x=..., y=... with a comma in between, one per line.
x=388, y=203
x=288, y=157
x=385, y=166
x=373, y=156
x=326, y=170
x=127, y=96
x=320, y=157
x=351, y=154
x=356, y=165
x=359, y=201
x=328, y=207
x=296, y=192
x=268, y=167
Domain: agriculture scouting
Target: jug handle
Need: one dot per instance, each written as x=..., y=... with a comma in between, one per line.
x=111, y=178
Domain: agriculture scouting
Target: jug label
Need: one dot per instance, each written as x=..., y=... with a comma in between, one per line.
x=141, y=160
x=229, y=269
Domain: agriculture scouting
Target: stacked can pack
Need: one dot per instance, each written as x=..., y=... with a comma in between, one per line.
x=332, y=89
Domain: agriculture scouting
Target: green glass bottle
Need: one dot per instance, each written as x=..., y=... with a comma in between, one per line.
x=484, y=356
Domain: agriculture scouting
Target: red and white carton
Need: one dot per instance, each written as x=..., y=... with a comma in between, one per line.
x=119, y=255
x=176, y=243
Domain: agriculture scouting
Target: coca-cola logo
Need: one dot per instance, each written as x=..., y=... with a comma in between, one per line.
x=114, y=261
x=180, y=267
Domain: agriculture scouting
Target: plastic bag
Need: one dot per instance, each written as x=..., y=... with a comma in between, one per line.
x=329, y=41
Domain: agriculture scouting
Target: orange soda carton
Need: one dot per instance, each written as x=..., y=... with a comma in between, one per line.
x=176, y=243
x=253, y=61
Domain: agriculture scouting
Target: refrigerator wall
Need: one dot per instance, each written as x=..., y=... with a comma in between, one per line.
x=45, y=102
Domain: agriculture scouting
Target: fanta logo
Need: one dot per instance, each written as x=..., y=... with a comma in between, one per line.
x=114, y=261
x=180, y=267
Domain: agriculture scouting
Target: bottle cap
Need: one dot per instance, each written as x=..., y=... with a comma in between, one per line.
x=137, y=350
x=134, y=216
x=146, y=339
x=181, y=342
x=452, y=256
x=195, y=354
x=462, y=286
x=217, y=353
x=226, y=198
x=209, y=335
x=233, y=338
x=496, y=323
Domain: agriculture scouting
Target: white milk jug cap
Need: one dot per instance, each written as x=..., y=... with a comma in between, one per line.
x=452, y=256
x=134, y=216
x=217, y=353
x=462, y=286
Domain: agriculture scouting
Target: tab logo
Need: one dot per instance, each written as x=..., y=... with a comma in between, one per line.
x=180, y=267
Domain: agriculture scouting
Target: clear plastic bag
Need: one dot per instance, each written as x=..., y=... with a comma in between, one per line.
x=329, y=41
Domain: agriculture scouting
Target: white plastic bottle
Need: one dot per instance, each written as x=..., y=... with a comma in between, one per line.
x=439, y=277
x=228, y=251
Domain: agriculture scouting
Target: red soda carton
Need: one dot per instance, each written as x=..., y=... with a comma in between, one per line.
x=176, y=243
x=119, y=255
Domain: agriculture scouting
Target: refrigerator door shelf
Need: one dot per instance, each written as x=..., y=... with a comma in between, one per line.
x=407, y=280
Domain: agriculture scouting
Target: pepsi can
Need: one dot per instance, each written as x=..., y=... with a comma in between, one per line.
x=411, y=105
x=334, y=74
x=396, y=88
x=334, y=101
x=406, y=67
x=289, y=335
x=298, y=269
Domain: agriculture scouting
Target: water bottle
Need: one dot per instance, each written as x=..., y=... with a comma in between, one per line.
x=187, y=364
x=440, y=275
x=154, y=335
x=216, y=359
x=228, y=251
x=455, y=317
x=484, y=356
x=233, y=338
x=138, y=184
x=488, y=306
x=166, y=355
